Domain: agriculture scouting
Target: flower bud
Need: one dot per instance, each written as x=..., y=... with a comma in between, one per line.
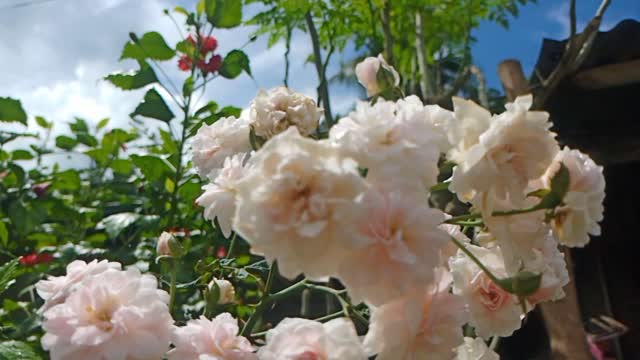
x=220, y=292
x=168, y=245
x=376, y=75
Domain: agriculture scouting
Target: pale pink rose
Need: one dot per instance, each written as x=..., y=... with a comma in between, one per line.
x=516, y=148
x=475, y=349
x=492, y=310
x=302, y=339
x=55, y=289
x=204, y=339
x=367, y=74
x=295, y=204
x=275, y=110
x=423, y=324
x=116, y=315
x=213, y=143
x=583, y=205
x=450, y=249
x=391, y=138
x=398, y=243
x=219, y=196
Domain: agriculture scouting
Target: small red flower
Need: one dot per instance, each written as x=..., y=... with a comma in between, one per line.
x=184, y=63
x=212, y=65
x=35, y=259
x=221, y=252
x=209, y=44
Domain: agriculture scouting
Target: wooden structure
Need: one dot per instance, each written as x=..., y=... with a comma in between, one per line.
x=596, y=109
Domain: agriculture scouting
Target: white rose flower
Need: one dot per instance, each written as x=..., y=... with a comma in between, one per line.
x=115, y=314
x=218, y=198
x=302, y=339
x=492, y=311
x=517, y=235
x=391, y=138
x=517, y=147
x=551, y=264
x=55, y=289
x=227, y=291
x=475, y=349
x=213, y=143
x=398, y=242
x=367, y=74
x=470, y=121
x=275, y=110
x=295, y=204
x=424, y=324
x=204, y=339
x=583, y=205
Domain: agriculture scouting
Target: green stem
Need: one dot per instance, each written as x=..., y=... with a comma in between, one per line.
x=457, y=219
x=232, y=244
x=479, y=263
x=266, y=302
x=172, y=287
x=494, y=342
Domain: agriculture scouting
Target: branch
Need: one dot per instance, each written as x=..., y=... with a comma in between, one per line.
x=483, y=96
x=286, y=56
x=572, y=60
x=425, y=89
x=458, y=83
x=386, y=30
x=323, y=89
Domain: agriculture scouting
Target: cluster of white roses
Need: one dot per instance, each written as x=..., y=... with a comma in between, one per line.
x=355, y=206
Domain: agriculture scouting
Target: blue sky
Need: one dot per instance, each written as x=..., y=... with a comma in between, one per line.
x=545, y=19
x=54, y=53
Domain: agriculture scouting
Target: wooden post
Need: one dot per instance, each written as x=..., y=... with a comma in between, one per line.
x=562, y=318
x=512, y=78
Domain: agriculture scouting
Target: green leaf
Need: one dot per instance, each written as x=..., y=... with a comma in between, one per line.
x=524, y=283
x=79, y=126
x=66, y=180
x=561, y=181
x=187, y=87
x=122, y=166
x=136, y=80
x=181, y=10
x=224, y=13
x=86, y=139
x=150, y=46
x=234, y=63
x=100, y=155
x=11, y=110
x=116, y=223
x=153, y=168
x=102, y=123
x=17, y=350
x=168, y=144
x=43, y=122
x=153, y=106
x=4, y=234
x=8, y=272
x=65, y=142
x=21, y=155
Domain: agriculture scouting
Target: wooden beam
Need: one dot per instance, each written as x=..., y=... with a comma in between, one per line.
x=512, y=78
x=608, y=76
